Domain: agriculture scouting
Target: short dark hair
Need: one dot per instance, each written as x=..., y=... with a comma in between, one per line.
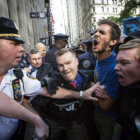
x=33, y=51
x=63, y=51
x=115, y=30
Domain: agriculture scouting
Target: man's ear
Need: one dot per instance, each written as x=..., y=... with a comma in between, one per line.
x=113, y=42
x=29, y=59
x=77, y=61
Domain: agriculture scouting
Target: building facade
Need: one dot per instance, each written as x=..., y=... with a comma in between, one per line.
x=31, y=29
x=87, y=13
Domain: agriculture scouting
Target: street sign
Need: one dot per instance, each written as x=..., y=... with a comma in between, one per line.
x=38, y=15
x=34, y=15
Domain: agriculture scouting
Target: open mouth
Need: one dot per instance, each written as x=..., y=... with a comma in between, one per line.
x=120, y=78
x=95, y=43
x=18, y=57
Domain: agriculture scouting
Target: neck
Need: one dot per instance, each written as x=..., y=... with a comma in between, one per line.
x=2, y=73
x=103, y=55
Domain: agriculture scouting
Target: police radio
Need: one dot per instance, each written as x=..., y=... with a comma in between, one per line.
x=16, y=84
x=18, y=73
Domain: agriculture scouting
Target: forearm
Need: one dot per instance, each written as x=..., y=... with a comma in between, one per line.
x=15, y=110
x=63, y=93
x=29, y=106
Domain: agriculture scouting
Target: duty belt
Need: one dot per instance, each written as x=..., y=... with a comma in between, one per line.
x=72, y=106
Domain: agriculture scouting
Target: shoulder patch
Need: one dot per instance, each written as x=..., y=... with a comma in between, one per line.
x=30, y=76
x=86, y=63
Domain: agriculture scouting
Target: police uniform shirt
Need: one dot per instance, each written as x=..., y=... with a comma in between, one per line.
x=32, y=87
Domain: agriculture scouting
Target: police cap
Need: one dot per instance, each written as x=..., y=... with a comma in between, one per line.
x=89, y=40
x=8, y=30
x=61, y=36
x=132, y=35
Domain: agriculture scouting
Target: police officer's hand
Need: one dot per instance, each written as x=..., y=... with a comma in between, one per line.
x=50, y=83
x=41, y=131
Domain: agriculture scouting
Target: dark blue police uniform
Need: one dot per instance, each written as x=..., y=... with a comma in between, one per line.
x=50, y=55
x=68, y=115
x=87, y=60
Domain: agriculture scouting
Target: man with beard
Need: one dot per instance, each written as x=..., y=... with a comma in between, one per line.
x=106, y=36
x=128, y=70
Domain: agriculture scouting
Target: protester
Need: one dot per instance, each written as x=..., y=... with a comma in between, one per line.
x=106, y=36
x=128, y=70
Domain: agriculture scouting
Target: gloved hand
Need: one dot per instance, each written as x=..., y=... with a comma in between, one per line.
x=50, y=83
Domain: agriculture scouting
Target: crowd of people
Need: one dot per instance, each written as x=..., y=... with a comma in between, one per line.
x=66, y=93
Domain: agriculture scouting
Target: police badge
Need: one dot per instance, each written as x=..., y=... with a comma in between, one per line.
x=17, y=90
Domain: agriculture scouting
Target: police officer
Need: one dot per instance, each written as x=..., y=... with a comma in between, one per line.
x=61, y=41
x=87, y=60
x=68, y=115
x=14, y=82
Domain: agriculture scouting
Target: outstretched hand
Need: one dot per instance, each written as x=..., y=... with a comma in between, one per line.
x=87, y=94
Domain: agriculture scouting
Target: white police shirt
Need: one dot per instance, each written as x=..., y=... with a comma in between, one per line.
x=32, y=87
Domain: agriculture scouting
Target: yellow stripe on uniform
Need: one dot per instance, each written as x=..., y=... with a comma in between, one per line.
x=10, y=35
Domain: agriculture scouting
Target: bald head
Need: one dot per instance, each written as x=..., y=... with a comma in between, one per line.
x=42, y=48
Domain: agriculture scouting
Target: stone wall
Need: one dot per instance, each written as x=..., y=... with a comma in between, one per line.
x=31, y=29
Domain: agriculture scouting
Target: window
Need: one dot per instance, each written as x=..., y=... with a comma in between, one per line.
x=112, y=1
x=93, y=9
x=107, y=9
x=113, y=10
x=94, y=19
x=102, y=9
x=107, y=1
x=94, y=27
x=102, y=1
